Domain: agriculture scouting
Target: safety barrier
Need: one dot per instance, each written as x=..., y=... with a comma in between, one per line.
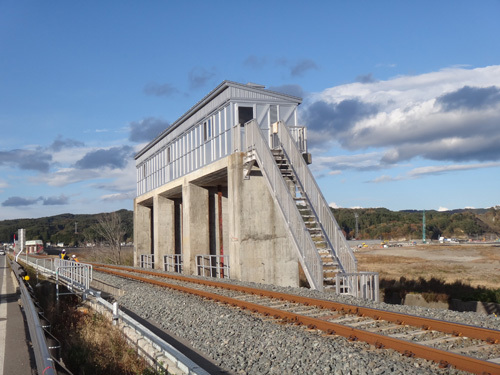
x=147, y=261
x=44, y=362
x=75, y=274
x=360, y=284
x=173, y=263
x=213, y=266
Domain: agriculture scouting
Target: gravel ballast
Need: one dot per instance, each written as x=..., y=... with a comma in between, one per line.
x=244, y=343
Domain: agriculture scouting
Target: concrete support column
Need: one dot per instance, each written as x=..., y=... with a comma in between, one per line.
x=142, y=232
x=195, y=228
x=260, y=246
x=163, y=228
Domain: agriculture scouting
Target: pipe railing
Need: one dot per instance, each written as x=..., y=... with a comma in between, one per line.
x=213, y=266
x=173, y=263
x=308, y=255
x=363, y=285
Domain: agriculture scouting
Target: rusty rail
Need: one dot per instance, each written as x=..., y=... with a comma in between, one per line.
x=443, y=358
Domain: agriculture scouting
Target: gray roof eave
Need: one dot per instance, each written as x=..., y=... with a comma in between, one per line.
x=223, y=86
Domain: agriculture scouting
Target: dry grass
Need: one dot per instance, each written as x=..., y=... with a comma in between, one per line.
x=91, y=345
x=476, y=264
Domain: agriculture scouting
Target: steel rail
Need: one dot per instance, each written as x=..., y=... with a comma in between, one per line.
x=489, y=335
x=443, y=358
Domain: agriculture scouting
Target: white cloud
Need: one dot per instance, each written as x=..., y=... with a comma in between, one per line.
x=334, y=205
x=448, y=115
x=442, y=209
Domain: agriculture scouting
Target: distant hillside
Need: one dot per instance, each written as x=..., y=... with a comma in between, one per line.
x=373, y=223
x=60, y=228
x=407, y=225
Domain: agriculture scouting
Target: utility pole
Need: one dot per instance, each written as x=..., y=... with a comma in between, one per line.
x=76, y=227
x=356, y=230
x=423, y=227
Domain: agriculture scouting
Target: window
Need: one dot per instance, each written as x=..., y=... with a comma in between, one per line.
x=245, y=114
x=273, y=114
x=207, y=130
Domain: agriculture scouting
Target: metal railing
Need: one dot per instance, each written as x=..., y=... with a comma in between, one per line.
x=173, y=263
x=76, y=274
x=44, y=362
x=213, y=266
x=308, y=255
x=147, y=261
x=360, y=284
x=335, y=237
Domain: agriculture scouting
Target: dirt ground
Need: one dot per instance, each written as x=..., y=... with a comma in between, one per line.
x=474, y=263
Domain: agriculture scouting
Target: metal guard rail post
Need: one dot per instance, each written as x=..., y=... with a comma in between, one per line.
x=309, y=257
x=44, y=362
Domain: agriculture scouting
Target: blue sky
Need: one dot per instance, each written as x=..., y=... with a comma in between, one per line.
x=401, y=99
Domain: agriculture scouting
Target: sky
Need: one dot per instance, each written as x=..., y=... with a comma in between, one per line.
x=401, y=100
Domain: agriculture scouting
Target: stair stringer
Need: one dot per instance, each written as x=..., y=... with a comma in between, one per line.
x=258, y=150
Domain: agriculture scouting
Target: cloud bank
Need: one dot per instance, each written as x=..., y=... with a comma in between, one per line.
x=452, y=115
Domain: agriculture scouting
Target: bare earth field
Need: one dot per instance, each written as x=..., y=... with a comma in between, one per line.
x=474, y=263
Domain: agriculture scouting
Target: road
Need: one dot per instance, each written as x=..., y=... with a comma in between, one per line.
x=14, y=335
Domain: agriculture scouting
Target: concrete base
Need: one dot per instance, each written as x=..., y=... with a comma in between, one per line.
x=220, y=212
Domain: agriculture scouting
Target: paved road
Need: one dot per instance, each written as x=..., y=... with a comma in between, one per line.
x=14, y=335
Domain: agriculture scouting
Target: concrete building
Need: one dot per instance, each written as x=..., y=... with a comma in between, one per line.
x=225, y=191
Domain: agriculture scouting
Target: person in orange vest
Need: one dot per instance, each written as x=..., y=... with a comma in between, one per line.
x=74, y=258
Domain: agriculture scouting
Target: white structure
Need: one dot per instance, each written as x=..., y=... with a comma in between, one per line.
x=228, y=182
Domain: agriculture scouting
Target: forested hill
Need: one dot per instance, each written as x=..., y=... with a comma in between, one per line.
x=373, y=223
x=61, y=228
x=380, y=223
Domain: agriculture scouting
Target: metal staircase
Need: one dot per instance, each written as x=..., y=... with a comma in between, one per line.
x=323, y=250
x=312, y=225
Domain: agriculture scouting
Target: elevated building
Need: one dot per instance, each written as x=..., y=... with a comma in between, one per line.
x=225, y=191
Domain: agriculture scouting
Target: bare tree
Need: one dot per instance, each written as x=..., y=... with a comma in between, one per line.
x=108, y=235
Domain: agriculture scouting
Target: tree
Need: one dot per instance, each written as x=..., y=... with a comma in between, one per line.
x=108, y=234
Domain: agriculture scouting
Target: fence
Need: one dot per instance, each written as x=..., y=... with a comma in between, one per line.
x=147, y=261
x=213, y=266
x=76, y=274
x=173, y=263
x=360, y=284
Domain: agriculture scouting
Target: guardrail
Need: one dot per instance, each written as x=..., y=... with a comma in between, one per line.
x=308, y=255
x=159, y=352
x=76, y=274
x=147, y=261
x=213, y=266
x=44, y=362
x=320, y=207
x=173, y=263
x=360, y=284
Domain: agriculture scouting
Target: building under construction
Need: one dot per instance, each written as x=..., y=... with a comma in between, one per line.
x=225, y=191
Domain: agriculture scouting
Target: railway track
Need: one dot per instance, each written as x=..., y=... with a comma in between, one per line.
x=464, y=347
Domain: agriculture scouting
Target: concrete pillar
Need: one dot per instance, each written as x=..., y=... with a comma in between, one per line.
x=195, y=230
x=163, y=228
x=142, y=231
x=260, y=248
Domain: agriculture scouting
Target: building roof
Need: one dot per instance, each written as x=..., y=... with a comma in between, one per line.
x=223, y=86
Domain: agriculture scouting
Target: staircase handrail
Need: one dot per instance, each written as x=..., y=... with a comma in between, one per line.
x=308, y=255
x=335, y=237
